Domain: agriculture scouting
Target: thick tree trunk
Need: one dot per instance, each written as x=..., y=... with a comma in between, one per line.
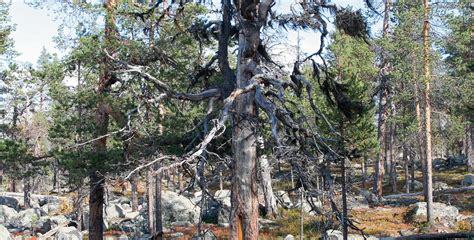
x=134, y=189
x=383, y=92
x=427, y=77
x=244, y=201
x=150, y=194
x=97, y=180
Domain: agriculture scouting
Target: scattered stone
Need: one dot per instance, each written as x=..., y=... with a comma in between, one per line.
x=222, y=207
x=337, y=235
x=52, y=207
x=10, y=202
x=123, y=237
x=114, y=211
x=7, y=214
x=177, y=208
x=26, y=219
x=126, y=207
x=289, y=237
x=4, y=233
x=456, y=160
x=68, y=233
x=47, y=223
x=284, y=199
x=417, y=185
x=441, y=212
x=205, y=235
x=266, y=224
x=468, y=180
x=438, y=186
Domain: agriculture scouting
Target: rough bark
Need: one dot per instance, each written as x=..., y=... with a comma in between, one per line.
x=27, y=192
x=270, y=200
x=382, y=112
x=97, y=180
x=134, y=190
x=470, y=147
x=158, y=211
x=427, y=77
x=393, y=157
x=406, y=167
x=244, y=201
x=150, y=194
x=345, y=230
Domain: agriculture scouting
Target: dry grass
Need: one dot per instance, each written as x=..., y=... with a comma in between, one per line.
x=382, y=221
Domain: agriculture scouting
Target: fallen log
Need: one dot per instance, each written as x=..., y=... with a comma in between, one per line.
x=440, y=236
x=440, y=192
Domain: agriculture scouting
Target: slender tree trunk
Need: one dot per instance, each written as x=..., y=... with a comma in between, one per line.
x=301, y=214
x=150, y=194
x=412, y=171
x=270, y=200
x=344, y=200
x=383, y=92
x=11, y=184
x=407, y=171
x=364, y=171
x=421, y=139
x=393, y=166
x=27, y=192
x=134, y=189
x=427, y=77
x=470, y=147
x=158, y=215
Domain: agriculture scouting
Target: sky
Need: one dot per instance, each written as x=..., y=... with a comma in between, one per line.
x=35, y=29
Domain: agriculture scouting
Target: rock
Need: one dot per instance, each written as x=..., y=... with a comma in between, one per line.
x=337, y=235
x=441, y=212
x=114, y=211
x=289, y=237
x=284, y=199
x=468, y=180
x=417, y=185
x=176, y=235
x=205, y=235
x=438, y=186
x=4, y=233
x=47, y=223
x=26, y=219
x=7, y=214
x=131, y=215
x=222, y=208
x=439, y=163
x=177, y=208
x=124, y=200
x=126, y=207
x=52, y=207
x=371, y=197
x=307, y=207
x=456, y=160
x=68, y=233
x=10, y=202
x=223, y=196
x=123, y=237
x=266, y=224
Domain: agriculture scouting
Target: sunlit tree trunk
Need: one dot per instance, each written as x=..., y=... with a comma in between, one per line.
x=150, y=194
x=427, y=78
x=382, y=118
